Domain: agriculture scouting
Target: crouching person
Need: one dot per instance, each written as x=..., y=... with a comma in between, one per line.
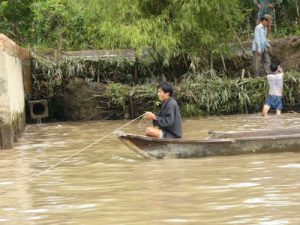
x=167, y=122
x=275, y=81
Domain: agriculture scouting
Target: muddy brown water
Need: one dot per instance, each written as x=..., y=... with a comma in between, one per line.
x=109, y=184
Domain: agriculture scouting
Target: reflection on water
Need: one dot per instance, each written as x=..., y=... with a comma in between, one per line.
x=109, y=184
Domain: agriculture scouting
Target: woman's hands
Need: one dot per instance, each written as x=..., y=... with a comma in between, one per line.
x=150, y=116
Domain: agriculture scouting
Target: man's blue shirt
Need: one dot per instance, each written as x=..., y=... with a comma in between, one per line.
x=260, y=40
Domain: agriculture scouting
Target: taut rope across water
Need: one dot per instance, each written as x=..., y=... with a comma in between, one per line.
x=81, y=150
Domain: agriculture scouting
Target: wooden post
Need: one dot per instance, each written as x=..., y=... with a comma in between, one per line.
x=243, y=74
x=136, y=71
x=274, y=20
x=223, y=61
x=298, y=12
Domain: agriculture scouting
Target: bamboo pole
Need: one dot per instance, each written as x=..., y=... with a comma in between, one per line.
x=298, y=11
x=223, y=61
x=274, y=20
x=238, y=39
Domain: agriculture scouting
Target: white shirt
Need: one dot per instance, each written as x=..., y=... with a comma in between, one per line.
x=275, y=81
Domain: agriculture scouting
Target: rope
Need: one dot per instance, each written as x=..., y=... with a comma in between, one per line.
x=81, y=150
x=143, y=123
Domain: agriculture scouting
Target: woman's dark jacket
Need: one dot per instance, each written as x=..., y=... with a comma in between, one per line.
x=169, y=119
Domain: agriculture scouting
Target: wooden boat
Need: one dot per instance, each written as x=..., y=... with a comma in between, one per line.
x=218, y=144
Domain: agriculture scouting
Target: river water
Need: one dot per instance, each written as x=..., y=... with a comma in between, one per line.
x=109, y=184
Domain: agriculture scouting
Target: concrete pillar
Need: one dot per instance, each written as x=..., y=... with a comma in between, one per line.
x=12, y=96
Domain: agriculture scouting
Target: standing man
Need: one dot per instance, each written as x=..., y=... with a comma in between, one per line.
x=261, y=46
x=275, y=81
x=167, y=123
x=266, y=7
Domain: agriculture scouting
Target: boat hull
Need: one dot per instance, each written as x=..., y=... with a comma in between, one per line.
x=179, y=148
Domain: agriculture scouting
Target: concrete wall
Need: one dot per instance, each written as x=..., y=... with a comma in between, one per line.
x=12, y=96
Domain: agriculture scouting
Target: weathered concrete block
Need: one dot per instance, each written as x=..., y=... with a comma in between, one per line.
x=12, y=100
x=6, y=136
x=38, y=109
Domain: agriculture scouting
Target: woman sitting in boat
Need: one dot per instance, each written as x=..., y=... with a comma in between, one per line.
x=167, y=122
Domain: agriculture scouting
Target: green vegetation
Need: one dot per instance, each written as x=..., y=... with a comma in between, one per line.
x=15, y=20
x=165, y=28
x=220, y=95
x=204, y=93
x=174, y=33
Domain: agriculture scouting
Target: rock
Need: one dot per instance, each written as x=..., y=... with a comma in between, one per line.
x=79, y=103
x=287, y=51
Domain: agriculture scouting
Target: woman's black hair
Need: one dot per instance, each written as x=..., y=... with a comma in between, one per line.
x=166, y=87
